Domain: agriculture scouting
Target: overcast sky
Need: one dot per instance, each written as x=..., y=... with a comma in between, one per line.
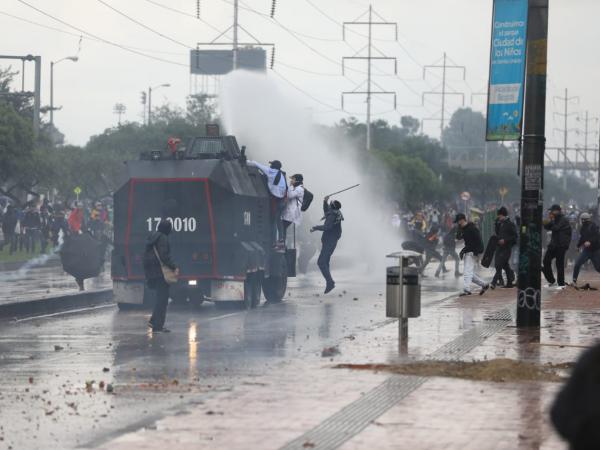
x=308, y=54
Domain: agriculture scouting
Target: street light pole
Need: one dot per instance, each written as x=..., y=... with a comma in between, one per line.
x=532, y=175
x=52, y=63
x=150, y=89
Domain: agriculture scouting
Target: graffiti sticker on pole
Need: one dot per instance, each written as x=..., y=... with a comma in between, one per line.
x=507, y=70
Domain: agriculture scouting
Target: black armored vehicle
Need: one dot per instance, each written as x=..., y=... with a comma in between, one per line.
x=220, y=210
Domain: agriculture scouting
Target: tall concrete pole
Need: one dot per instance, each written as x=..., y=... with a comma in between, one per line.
x=37, y=94
x=369, y=79
x=566, y=137
x=149, y=106
x=532, y=176
x=235, y=34
x=51, y=92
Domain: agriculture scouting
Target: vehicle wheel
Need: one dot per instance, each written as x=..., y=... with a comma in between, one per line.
x=275, y=286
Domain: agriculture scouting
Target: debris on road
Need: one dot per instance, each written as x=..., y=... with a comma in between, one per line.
x=109, y=388
x=58, y=348
x=328, y=352
x=105, y=369
x=497, y=370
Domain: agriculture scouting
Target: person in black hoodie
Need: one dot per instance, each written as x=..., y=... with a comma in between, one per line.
x=158, y=242
x=472, y=249
x=506, y=232
x=9, y=224
x=558, y=246
x=332, y=232
x=589, y=243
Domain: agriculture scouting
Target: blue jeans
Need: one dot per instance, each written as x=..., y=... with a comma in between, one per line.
x=585, y=256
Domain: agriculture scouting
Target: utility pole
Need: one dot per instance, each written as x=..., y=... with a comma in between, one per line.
x=444, y=92
x=119, y=109
x=235, y=34
x=529, y=297
x=586, y=135
x=565, y=130
x=369, y=58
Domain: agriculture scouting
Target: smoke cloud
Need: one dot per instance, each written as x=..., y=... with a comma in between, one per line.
x=273, y=126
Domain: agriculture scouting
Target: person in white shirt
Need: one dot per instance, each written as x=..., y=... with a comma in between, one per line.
x=292, y=214
x=278, y=188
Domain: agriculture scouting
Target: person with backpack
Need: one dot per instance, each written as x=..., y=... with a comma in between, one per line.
x=278, y=188
x=469, y=232
x=292, y=214
x=557, y=248
x=332, y=232
x=589, y=243
x=157, y=259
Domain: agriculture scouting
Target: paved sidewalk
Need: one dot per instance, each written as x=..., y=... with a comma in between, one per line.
x=32, y=282
x=272, y=411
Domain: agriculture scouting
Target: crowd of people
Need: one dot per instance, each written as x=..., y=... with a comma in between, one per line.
x=569, y=236
x=38, y=225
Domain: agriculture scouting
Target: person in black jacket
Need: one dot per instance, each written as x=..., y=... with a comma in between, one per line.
x=31, y=225
x=506, y=232
x=332, y=232
x=558, y=246
x=449, y=249
x=158, y=242
x=472, y=249
x=589, y=244
x=9, y=224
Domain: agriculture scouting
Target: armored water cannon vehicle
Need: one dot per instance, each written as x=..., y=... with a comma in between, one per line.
x=220, y=210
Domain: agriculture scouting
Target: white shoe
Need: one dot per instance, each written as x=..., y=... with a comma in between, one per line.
x=551, y=285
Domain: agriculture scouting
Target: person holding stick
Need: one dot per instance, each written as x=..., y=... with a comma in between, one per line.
x=332, y=232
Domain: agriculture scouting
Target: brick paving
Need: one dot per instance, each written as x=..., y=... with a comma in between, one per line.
x=269, y=411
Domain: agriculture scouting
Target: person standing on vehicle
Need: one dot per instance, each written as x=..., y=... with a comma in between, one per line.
x=589, y=244
x=332, y=232
x=473, y=248
x=557, y=248
x=292, y=213
x=157, y=254
x=449, y=249
x=278, y=188
x=506, y=233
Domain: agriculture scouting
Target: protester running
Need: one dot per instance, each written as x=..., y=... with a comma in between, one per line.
x=589, y=244
x=506, y=234
x=472, y=249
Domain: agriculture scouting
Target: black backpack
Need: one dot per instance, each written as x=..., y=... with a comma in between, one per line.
x=306, y=200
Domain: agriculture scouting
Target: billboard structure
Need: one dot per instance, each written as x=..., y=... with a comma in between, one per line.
x=220, y=62
x=507, y=70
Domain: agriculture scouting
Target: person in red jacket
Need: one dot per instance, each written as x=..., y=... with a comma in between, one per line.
x=75, y=219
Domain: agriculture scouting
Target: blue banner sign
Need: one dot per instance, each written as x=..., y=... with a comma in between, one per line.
x=507, y=70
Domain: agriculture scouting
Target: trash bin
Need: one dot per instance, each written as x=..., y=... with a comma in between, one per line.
x=403, y=291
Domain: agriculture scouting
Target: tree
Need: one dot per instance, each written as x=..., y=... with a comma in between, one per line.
x=465, y=138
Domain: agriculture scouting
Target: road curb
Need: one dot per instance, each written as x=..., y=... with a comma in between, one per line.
x=56, y=304
x=16, y=265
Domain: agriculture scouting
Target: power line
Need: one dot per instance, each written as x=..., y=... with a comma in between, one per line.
x=146, y=27
x=106, y=41
x=69, y=33
x=182, y=13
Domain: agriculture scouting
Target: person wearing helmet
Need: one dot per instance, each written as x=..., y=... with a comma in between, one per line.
x=332, y=232
x=589, y=245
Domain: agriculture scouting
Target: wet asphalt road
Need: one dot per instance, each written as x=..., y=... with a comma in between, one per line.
x=55, y=369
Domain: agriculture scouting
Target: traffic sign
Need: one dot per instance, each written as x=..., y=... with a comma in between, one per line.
x=503, y=191
x=77, y=190
x=465, y=196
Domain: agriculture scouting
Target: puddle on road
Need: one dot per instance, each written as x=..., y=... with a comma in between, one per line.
x=495, y=370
